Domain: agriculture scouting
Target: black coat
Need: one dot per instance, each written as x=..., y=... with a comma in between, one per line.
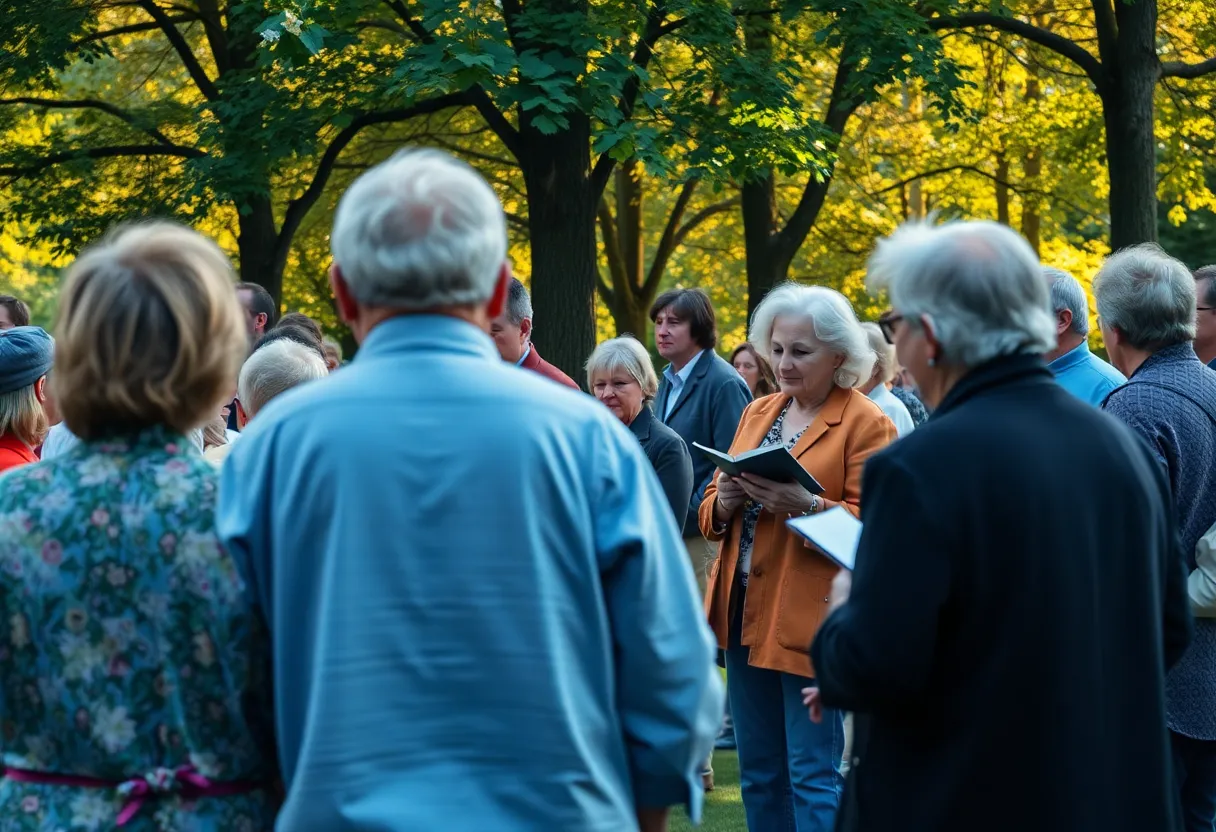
x=1019, y=594
x=669, y=456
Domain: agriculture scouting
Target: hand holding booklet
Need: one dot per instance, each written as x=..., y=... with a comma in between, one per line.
x=773, y=462
x=835, y=532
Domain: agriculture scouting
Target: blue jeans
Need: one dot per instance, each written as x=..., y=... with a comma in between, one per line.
x=1195, y=774
x=789, y=767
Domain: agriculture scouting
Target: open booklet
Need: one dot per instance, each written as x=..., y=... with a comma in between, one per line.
x=773, y=463
x=835, y=532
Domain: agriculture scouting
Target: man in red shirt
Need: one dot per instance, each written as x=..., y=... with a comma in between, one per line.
x=512, y=334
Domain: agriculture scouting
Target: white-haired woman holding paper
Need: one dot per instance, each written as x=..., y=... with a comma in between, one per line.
x=788, y=766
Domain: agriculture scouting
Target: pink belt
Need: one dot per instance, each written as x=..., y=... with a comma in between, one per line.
x=184, y=781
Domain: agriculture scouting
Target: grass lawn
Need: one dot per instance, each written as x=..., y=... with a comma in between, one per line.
x=724, y=805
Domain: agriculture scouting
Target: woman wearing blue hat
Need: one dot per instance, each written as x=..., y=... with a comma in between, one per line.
x=26, y=354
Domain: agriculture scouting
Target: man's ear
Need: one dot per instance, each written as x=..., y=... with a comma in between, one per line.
x=498, y=300
x=930, y=330
x=1063, y=321
x=40, y=390
x=242, y=418
x=260, y=320
x=525, y=330
x=348, y=309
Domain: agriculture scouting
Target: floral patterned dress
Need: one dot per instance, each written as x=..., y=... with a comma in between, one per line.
x=128, y=649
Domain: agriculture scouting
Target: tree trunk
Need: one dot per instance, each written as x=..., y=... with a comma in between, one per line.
x=561, y=227
x=764, y=269
x=1131, y=149
x=1032, y=168
x=257, y=238
x=1002, y=188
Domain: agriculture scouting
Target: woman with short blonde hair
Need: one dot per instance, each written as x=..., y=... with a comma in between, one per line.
x=124, y=565
x=621, y=375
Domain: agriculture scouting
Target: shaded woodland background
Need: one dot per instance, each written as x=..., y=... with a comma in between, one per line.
x=636, y=144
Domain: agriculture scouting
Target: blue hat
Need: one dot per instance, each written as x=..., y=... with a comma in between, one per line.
x=26, y=355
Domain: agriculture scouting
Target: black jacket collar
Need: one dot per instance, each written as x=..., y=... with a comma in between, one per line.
x=999, y=372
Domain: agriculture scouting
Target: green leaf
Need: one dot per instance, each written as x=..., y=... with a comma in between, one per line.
x=547, y=124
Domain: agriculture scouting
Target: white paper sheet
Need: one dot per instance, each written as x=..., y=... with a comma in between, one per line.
x=835, y=532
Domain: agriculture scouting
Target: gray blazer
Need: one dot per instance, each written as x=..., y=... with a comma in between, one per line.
x=707, y=412
x=669, y=456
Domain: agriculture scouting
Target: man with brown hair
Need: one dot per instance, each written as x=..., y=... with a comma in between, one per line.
x=13, y=312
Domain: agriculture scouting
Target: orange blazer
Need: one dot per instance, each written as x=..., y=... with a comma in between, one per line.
x=789, y=582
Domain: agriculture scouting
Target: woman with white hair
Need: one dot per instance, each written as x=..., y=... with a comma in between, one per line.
x=1017, y=595
x=621, y=375
x=885, y=367
x=767, y=589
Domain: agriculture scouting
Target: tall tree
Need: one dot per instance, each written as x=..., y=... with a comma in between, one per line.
x=633, y=279
x=1125, y=74
x=117, y=109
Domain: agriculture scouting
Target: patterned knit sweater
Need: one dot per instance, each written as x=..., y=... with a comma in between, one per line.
x=1183, y=438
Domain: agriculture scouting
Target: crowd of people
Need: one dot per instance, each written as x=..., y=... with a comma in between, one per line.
x=247, y=586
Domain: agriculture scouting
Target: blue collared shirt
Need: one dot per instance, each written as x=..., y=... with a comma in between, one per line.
x=524, y=357
x=1086, y=376
x=481, y=610
x=676, y=382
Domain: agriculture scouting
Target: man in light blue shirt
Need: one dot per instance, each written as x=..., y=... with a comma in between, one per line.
x=1078, y=370
x=481, y=613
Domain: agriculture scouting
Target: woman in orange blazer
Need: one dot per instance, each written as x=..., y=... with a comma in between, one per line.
x=768, y=591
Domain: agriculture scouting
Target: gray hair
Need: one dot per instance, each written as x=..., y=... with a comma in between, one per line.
x=978, y=282
x=832, y=319
x=329, y=344
x=1148, y=296
x=274, y=369
x=418, y=231
x=885, y=365
x=519, y=304
x=625, y=353
x=1068, y=293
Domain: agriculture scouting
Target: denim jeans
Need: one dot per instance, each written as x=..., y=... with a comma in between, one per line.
x=1195, y=774
x=789, y=767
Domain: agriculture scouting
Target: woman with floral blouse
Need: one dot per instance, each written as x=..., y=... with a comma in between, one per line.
x=134, y=685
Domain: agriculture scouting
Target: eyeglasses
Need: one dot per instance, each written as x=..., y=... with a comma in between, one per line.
x=1204, y=308
x=887, y=324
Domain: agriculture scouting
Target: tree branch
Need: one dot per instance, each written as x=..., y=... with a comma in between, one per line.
x=668, y=241
x=612, y=251
x=410, y=21
x=642, y=54
x=193, y=67
x=1178, y=69
x=132, y=29
x=1017, y=189
x=701, y=216
x=1056, y=43
x=110, y=152
x=299, y=207
x=90, y=104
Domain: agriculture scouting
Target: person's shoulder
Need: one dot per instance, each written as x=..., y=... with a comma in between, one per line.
x=1105, y=370
x=860, y=408
x=721, y=372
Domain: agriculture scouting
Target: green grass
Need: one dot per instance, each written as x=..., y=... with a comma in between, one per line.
x=724, y=805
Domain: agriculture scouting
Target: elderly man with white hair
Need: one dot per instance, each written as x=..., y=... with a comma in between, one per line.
x=1146, y=306
x=885, y=367
x=1004, y=638
x=480, y=608
x=1078, y=370
x=270, y=371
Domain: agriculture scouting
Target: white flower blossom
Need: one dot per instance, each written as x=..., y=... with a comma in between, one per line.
x=112, y=728
x=291, y=23
x=97, y=469
x=271, y=35
x=91, y=809
x=82, y=659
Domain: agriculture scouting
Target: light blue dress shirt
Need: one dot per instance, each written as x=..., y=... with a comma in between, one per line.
x=482, y=613
x=1086, y=376
x=677, y=382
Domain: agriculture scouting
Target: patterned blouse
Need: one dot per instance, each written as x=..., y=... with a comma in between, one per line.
x=128, y=650
x=751, y=509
